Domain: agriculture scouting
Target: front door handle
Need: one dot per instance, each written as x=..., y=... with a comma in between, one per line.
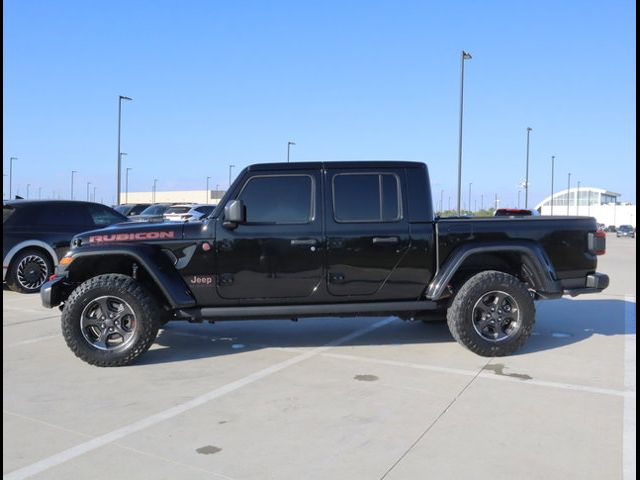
x=385, y=240
x=305, y=241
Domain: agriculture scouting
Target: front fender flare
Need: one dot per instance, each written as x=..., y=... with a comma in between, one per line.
x=160, y=269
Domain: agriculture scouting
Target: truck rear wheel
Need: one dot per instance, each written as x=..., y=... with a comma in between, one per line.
x=492, y=314
x=110, y=320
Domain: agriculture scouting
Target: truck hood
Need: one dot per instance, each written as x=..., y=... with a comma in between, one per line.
x=129, y=232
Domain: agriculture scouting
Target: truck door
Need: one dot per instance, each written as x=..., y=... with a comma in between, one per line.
x=277, y=253
x=367, y=231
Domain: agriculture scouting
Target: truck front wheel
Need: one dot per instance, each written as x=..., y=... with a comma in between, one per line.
x=110, y=320
x=492, y=314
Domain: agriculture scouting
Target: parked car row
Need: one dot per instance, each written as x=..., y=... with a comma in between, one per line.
x=158, y=212
x=36, y=234
x=621, y=231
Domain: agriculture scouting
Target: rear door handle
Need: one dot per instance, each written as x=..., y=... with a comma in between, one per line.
x=306, y=241
x=383, y=240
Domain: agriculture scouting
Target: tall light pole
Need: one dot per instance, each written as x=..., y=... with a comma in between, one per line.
x=88, y=197
x=526, y=180
x=441, y=194
x=72, y=173
x=578, y=199
x=289, y=149
x=481, y=201
x=519, y=198
x=568, y=193
x=94, y=193
x=126, y=184
x=120, y=98
x=155, y=181
x=230, y=167
x=463, y=56
x=496, y=196
x=208, y=194
x=11, y=159
x=553, y=161
x=470, y=183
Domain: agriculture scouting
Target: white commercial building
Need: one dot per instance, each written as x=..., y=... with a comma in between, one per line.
x=184, y=196
x=592, y=202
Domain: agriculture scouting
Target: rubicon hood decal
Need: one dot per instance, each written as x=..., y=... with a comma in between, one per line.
x=127, y=237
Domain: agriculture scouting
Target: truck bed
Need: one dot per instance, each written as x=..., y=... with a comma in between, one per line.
x=565, y=239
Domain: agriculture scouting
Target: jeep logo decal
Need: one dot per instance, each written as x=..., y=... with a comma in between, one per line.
x=201, y=280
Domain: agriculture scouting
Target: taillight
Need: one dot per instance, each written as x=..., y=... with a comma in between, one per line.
x=597, y=242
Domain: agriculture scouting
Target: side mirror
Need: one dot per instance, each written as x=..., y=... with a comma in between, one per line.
x=234, y=213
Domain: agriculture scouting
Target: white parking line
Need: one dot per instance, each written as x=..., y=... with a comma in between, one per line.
x=489, y=376
x=97, y=442
x=27, y=310
x=629, y=418
x=27, y=342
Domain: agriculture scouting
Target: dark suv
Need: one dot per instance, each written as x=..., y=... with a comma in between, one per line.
x=626, y=231
x=36, y=234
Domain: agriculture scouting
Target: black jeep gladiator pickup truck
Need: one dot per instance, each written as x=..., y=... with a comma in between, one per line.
x=293, y=240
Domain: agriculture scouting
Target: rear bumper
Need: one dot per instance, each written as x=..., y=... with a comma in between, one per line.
x=53, y=292
x=595, y=283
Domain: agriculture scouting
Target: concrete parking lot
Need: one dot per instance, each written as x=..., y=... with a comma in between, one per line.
x=362, y=398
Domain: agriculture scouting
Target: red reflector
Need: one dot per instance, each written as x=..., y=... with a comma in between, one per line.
x=52, y=277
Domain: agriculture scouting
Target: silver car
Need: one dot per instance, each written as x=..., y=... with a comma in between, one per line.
x=186, y=213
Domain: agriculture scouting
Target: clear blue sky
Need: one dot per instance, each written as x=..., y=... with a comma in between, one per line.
x=216, y=83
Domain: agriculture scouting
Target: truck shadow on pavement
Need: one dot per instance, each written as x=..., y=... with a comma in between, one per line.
x=558, y=323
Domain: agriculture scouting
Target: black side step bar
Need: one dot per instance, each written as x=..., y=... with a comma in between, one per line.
x=287, y=311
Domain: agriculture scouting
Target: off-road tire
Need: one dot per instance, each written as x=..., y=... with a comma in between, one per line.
x=12, y=275
x=460, y=320
x=148, y=316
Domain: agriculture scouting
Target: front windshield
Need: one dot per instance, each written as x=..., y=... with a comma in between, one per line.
x=121, y=209
x=155, y=210
x=178, y=209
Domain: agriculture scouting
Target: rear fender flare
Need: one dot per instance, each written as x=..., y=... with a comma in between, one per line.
x=532, y=254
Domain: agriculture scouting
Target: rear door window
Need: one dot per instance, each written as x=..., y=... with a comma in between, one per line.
x=366, y=197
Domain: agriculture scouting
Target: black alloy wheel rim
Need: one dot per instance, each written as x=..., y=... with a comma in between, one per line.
x=108, y=323
x=496, y=316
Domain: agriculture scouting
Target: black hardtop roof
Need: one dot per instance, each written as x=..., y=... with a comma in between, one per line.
x=20, y=202
x=355, y=164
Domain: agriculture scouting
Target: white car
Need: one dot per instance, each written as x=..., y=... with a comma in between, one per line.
x=187, y=212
